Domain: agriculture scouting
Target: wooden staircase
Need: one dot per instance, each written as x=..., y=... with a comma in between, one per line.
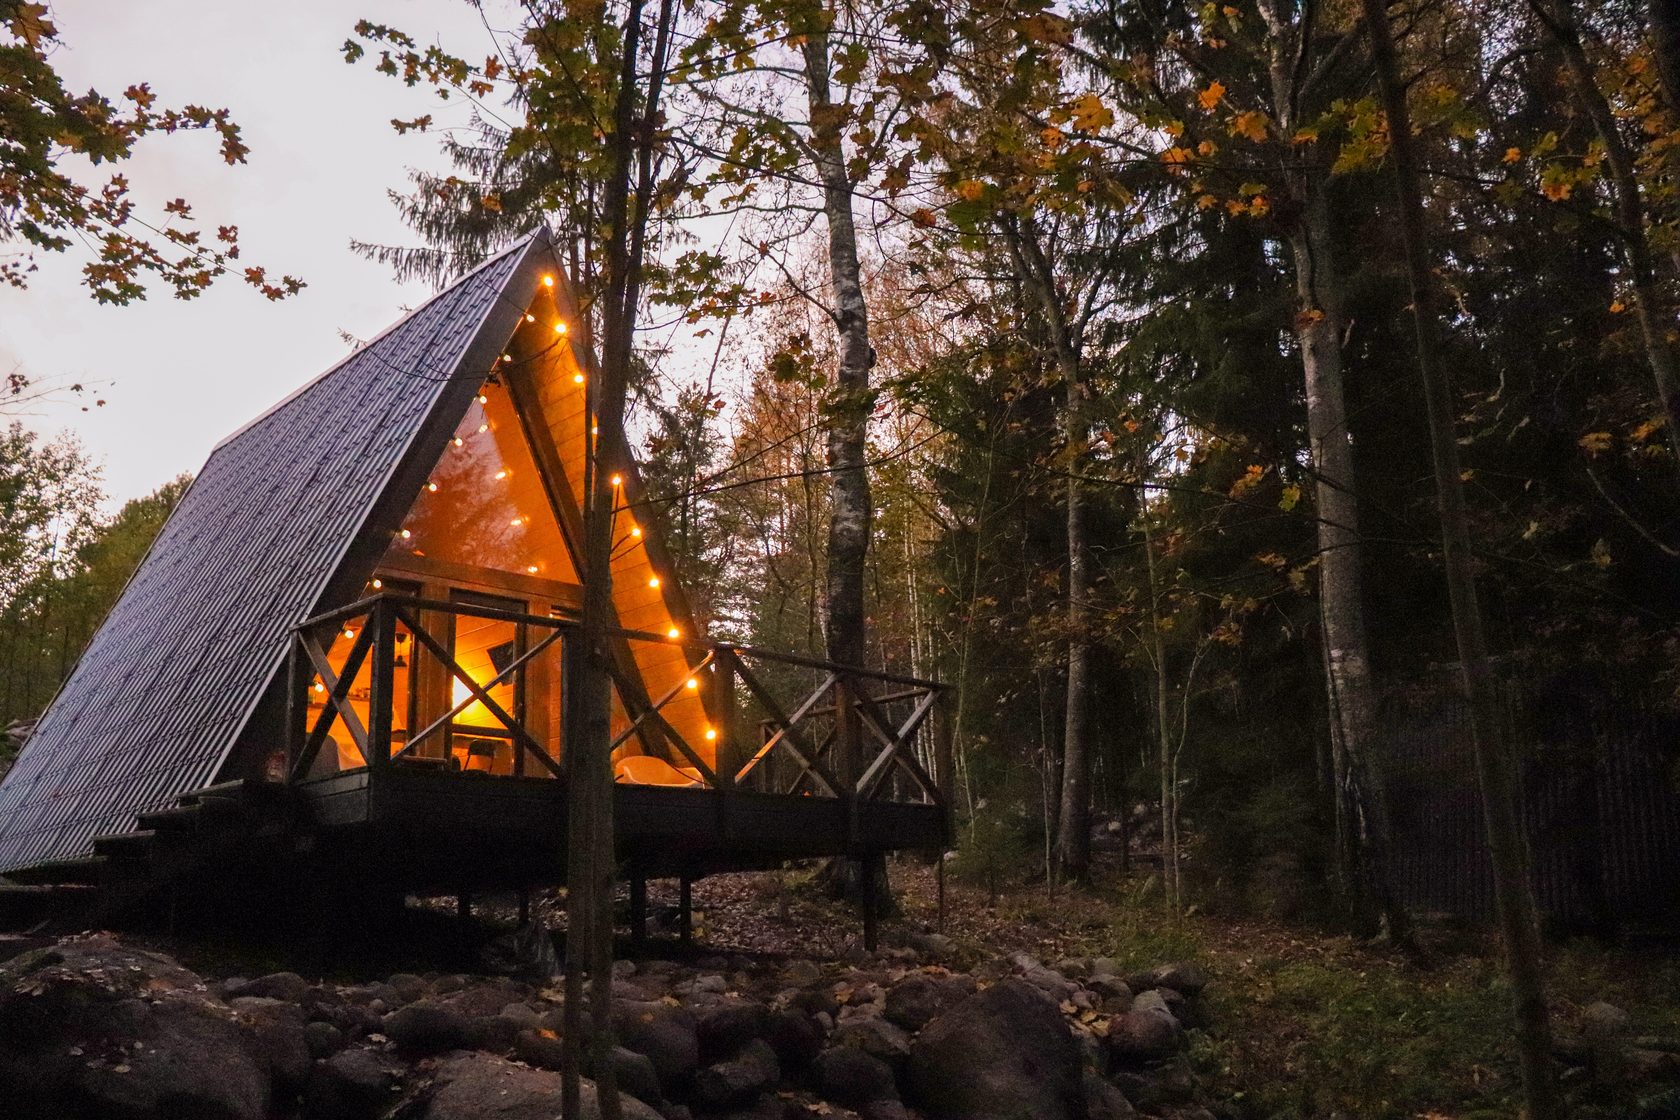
x=205, y=832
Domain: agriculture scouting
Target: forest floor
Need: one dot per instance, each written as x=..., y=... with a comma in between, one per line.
x=1305, y=1023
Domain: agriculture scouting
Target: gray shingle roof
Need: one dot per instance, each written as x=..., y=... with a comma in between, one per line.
x=160, y=696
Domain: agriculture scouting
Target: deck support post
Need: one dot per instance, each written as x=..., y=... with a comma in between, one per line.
x=939, y=880
x=638, y=911
x=871, y=906
x=384, y=622
x=685, y=910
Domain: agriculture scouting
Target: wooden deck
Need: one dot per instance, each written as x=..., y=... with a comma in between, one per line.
x=443, y=832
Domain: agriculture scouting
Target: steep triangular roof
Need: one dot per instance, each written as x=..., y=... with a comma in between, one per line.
x=285, y=520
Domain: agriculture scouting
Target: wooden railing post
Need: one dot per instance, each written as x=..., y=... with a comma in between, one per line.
x=571, y=671
x=297, y=705
x=848, y=751
x=380, y=699
x=729, y=754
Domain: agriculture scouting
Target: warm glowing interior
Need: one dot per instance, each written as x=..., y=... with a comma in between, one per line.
x=485, y=526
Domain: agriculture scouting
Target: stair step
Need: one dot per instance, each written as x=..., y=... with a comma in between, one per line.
x=242, y=790
x=125, y=845
x=61, y=872
x=182, y=818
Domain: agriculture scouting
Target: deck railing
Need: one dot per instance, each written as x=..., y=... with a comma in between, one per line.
x=384, y=674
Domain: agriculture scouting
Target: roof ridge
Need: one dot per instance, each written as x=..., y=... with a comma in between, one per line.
x=516, y=246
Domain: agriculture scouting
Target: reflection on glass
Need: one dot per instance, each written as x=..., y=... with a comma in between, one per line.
x=484, y=505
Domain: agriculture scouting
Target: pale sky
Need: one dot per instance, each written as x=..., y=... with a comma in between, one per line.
x=186, y=373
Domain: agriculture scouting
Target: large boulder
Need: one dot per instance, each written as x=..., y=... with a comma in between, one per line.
x=666, y=1034
x=275, y=1035
x=848, y=1076
x=352, y=1085
x=875, y=1036
x=426, y=1027
x=484, y=1087
x=920, y=997
x=726, y=1026
x=1004, y=1054
x=91, y=1028
x=739, y=1079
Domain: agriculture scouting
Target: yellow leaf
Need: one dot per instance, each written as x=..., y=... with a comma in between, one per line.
x=1090, y=114
x=29, y=22
x=1205, y=202
x=1291, y=497
x=1176, y=157
x=970, y=190
x=1601, y=553
x=1051, y=137
x=1617, y=307
x=1557, y=189
x=1512, y=155
x=1596, y=443
x=1212, y=95
x=1250, y=124
x=1206, y=148
x=1648, y=429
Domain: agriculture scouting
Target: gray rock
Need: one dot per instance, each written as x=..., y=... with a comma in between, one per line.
x=634, y=1074
x=725, y=1027
x=353, y=1085
x=1605, y=1020
x=1180, y=976
x=883, y=1109
x=875, y=1037
x=276, y=1036
x=323, y=1039
x=407, y=986
x=426, y=1027
x=916, y=1000
x=666, y=1034
x=483, y=1087
x=1004, y=1054
x=934, y=946
x=1105, y=966
x=94, y=1028
x=797, y=1038
x=738, y=1079
x=1113, y=991
x=540, y=1048
x=1154, y=1002
x=801, y=974
x=1139, y=1037
x=288, y=986
x=847, y=1076
x=1104, y=1101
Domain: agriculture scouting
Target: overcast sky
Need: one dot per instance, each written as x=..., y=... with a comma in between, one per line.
x=183, y=374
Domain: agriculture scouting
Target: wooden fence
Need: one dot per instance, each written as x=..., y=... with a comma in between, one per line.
x=1601, y=802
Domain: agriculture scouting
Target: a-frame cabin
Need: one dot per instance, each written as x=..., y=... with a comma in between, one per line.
x=351, y=641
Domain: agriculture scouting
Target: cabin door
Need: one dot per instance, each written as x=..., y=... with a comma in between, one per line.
x=477, y=739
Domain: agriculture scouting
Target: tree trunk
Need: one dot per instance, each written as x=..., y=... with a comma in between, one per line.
x=1037, y=275
x=1665, y=44
x=1163, y=735
x=847, y=413
x=849, y=403
x=1073, y=833
x=1495, y=762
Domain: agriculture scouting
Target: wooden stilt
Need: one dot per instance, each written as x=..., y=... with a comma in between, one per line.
x=871, y=910
x=685, y=910
x=638, y=910
x=939, y=879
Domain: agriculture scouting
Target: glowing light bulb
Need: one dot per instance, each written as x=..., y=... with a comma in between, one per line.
x=693, y=684
x=503, y=473
x=459, y=441
x=517, y=521
x=319, y=687
x=406, y=534
x=577, y=379
x=432, y=486
x=560, y=327
x=532, y=568
x=618, y=480
x=482, y=399
x=378, y=583
x=594, y=429
x=482, y=428
x=654, y=582
x=530, y=318
x=349, y=633
x=548, y=281
x=635, y=530
x=711, y=733
x=673, y=632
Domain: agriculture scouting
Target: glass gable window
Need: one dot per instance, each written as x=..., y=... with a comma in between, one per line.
x=484, y=505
